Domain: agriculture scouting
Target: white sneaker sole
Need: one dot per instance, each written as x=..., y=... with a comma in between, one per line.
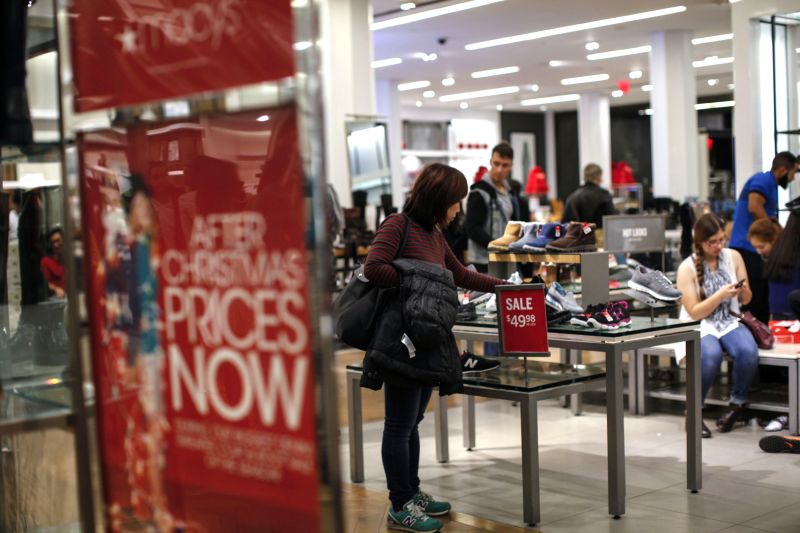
x=641, y=288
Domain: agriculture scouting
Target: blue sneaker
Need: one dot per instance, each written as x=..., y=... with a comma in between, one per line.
x=529, y=233
x=411, y=518
x=430, y=506
x=547, y=233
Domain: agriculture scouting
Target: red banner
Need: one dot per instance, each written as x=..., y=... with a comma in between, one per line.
x=126, y=52
x=197, y=292
x=522, y=319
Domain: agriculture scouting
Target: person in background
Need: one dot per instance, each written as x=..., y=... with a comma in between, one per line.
x=713, y=281
x=782, y=269
x=758, y=200
x=763, y=234
x=52, y=265
x=590, y=202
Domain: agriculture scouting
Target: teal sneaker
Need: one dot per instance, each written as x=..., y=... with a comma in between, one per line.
x=430, y=506
x=411, y=518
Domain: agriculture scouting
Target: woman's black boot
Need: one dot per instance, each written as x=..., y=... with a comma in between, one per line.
x=738, y=413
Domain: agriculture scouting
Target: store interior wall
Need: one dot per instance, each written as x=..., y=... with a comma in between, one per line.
x=516, y=122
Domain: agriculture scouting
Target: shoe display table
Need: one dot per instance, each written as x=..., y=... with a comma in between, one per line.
x=642, y=333
x=516, y=380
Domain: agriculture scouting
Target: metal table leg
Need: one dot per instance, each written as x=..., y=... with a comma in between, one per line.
x=531, y=508
x=616, y=432
x=440, y=415
x=633, y=384
x=694, y=451
x=468, y=420
x=576, y=400
x=642, y=366
x=794, y=397
x=565, y=359
x=355, y=427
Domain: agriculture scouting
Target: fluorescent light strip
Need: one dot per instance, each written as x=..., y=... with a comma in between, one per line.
x=431, y=13
x=494, y=72
x=380, y=63
x=575, y=28
x=647, y=88
x=585, y=79
x=700, y=107
x=619, y=53
x=710, y=62
x=551, y=99
x=478, y=94
x=411, y=85
x=712, y=39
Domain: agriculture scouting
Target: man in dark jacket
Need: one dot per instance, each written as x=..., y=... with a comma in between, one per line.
x=590, y=202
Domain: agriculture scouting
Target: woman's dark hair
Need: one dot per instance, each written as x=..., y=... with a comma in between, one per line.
x=706, y=227
x=785, y=255
x=437, y=187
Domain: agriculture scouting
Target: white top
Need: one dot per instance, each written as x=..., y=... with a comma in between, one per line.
x=725, y=262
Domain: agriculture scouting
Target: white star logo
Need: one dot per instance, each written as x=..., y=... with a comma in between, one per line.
x=128, y=40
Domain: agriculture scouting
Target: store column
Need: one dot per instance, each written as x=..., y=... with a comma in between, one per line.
x=388, y=104
x=550, y=152
x=594, y=134
x=348, y=81
x=673, y=123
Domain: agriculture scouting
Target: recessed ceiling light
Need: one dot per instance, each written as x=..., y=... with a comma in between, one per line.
x=494, y=72
x=647, y=88
x=429, y=94
x=731, y=86
x=463, y=105
x=712, y=39
x=430, y=13
x=447, y=82
x=585, y=79
x=556, y=63
x=411, y=85
x=635, y=74
x=592, y=45
x=712, y=61
x=499, y=107
x=712, y=82
x=619, y=53
x=380, y=63
x=535, y=88
x=478, y=94
x=575, y=28
x=407, y=6
x=263, y=118
x=617, y=93
x=715, y=105
x=551, y=99
x=419, y=103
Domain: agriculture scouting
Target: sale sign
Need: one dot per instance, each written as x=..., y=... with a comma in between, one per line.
x=522, y=319
x=127, y=52
x=197, y=293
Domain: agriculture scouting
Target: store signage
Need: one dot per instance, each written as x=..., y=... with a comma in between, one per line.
x=197, y=285
x=127, y=53
x=522, y=319
x=634, y=233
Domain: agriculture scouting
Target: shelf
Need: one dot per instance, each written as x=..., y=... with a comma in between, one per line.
x=789, y=132
x=502, y=257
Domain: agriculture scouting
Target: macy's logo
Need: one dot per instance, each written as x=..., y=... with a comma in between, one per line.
x=201, y=23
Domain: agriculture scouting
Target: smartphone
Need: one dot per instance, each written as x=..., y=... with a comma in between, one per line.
x=739, y=284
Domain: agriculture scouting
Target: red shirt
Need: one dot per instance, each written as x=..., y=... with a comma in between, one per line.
x=53, y=272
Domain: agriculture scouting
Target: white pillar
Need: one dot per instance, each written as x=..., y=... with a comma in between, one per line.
x=594, y=134
x=674, y=120
x=348, y=81
x=550, y=152
x=388, y=104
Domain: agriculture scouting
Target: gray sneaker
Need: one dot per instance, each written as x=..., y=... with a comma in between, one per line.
x=561, y=300
x=653, y=282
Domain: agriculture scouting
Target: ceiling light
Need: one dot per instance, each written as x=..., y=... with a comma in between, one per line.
x=712, y=39
x=419, y=103
x=463, y=105
x=585, y=79
x=301, y=45
x=499, y=107
x=715, y=105
x=407, y=6
x=647, y=88
x=426, y=57
x=430, y=13
x=797, y=50
x=731, y=86
x=542, y=108
x=575, y=28
x=619, y=53
x=712, y=61
x=556, y=63
x=478, y=94
x=617, y=94
x=551, y=99
x=429, y=94
x=447, y=82
x=535, y=88
x=635, y=74
x=733, y=1
x=494, y=72
x=592, y=45
x=411, y=85
x=386, y=62
x=262, y=118
x=712, y=82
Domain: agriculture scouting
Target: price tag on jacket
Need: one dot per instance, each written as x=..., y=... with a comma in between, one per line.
x=522, y=320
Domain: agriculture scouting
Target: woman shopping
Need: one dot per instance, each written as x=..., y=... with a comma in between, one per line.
x=714, y=285
x=406, y=375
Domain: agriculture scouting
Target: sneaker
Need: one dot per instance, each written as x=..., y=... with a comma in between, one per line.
x=582, y=319
x=563, y=300
x=778, y=424
x=620, y=311
x=545, y=234
x=555, y=316
x=579, y=238
x=530, y=232
x=411, y=518
x=512, y=234
x=603, y=318
x=466, y=312
x=654, y=283
x=475, y=364
x=780, y=443
x=430, y=506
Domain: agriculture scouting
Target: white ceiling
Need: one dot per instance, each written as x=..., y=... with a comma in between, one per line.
x=511, y=17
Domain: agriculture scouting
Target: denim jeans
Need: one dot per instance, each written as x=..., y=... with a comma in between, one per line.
x=741, y=347
x=405, y=408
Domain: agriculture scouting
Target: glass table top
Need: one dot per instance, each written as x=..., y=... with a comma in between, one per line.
x=527, y=376
x=24, y=399
x=639, y=324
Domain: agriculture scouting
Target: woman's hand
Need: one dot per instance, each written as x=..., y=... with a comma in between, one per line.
x=728, y=292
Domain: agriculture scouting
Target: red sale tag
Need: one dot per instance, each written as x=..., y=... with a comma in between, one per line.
x=522, y=320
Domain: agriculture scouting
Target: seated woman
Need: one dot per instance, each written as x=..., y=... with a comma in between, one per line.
x=783, y=269
x=713, y=281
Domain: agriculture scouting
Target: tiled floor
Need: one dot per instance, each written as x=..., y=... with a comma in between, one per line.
x=744, y=489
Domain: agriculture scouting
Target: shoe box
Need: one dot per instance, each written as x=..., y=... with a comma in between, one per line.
x=785, y=331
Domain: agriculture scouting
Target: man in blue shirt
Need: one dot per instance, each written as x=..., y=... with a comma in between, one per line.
x=759, y=199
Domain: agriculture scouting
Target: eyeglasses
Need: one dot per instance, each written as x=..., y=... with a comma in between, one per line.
x=716, y=242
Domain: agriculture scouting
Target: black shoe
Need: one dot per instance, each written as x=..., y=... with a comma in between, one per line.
x=475, y=364
x=466, y=312
x=780, y=443
x=738, y=413
x=556, y=317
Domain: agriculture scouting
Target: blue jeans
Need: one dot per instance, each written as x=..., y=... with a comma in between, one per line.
x=404, y=410
x=741, y=347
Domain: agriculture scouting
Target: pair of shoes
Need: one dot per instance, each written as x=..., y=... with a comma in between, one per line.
x=654, y=283
x=580, y=237
x=412, y=518
x=619, y=310
x=561, y=300
x=536, y=242
x=778, y=424
x=514, y=231
x=475, y=364
x=738, y=413
x=603, y=316
x=780, y=443
x=430, y=506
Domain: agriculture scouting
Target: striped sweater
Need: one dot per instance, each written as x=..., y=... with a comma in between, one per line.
x=421, y=244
